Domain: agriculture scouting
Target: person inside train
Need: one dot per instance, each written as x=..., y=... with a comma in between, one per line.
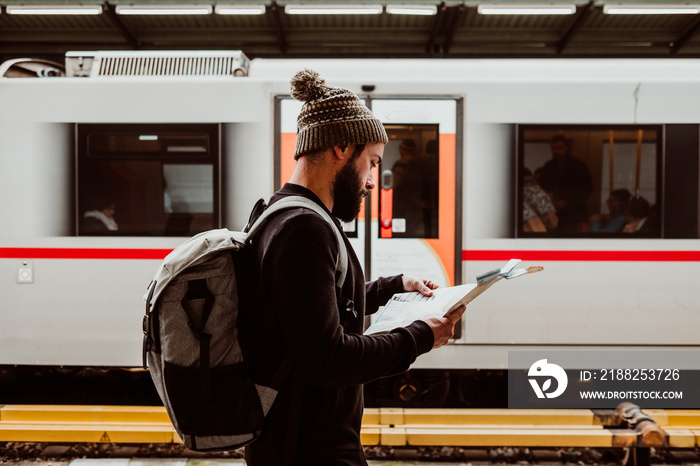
x=539, y=214
x=618, y=211
x=317, y=415
x=99, y=218
x=409, y=196
x=638, y=217
x=568, y=182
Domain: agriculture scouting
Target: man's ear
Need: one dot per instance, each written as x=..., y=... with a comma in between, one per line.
x=340, y=153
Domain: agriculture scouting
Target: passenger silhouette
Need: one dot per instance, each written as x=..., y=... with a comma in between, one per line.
x=569, y=183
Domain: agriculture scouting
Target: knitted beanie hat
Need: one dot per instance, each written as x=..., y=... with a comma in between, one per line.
x=331, y=116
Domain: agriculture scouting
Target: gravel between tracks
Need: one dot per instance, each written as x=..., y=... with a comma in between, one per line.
x=62, y=454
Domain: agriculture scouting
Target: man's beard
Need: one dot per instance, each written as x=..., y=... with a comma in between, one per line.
x=348, y=192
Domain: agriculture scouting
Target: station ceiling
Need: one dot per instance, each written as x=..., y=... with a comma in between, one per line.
x=456, y=30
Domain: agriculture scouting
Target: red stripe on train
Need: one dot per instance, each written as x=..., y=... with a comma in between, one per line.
x=82, y=253
x=470, y=255
x=586, y=256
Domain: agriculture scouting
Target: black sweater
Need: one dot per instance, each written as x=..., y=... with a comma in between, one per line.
x=296, y=311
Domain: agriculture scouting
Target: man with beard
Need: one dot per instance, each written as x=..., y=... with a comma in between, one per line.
x=299, y=311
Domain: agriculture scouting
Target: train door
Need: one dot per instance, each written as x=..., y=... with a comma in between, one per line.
x=415, y=223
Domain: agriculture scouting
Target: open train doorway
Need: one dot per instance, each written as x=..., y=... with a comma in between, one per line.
x=412, y=222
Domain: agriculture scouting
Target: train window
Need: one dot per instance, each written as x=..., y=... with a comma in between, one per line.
x=408, y=182
x=147, y=180
x=589, y=181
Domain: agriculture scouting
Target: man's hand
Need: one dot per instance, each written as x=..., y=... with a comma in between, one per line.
x=444, y=327
x=425, y=287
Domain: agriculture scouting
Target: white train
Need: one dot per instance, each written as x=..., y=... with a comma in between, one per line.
x=175, y=154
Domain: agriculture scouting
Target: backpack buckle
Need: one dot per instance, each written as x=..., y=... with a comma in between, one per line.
x=349, y=305
x=147, y=340
x=258, y=209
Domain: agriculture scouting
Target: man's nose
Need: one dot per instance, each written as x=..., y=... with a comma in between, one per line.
x=370, y=182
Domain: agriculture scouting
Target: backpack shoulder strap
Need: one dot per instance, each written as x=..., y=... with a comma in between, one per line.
x=291, y=202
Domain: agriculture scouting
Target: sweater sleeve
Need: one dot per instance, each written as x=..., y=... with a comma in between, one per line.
x=379, y=291
x=300, y=270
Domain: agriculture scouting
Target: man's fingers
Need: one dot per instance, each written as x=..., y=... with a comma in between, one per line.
x=455, y=315
x=425, y=288
x=421, y=285
x=430, y=284
x=443, y=328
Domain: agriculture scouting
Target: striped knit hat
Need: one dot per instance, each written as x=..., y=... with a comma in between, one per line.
x=331, y=116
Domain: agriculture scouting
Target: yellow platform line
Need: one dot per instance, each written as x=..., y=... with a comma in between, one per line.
x=681, y=438
x=481, y=437
x=681, y=425
x=78, y=423
x=371, y=434
x=381, y=426
x=400, y=416
x=387, y=416
x=73, y=433
x=498, y=426
x=674, y=417
x=57, y=424
x=79, y=413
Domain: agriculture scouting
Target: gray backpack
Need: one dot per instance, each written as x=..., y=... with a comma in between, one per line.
x=193, y=344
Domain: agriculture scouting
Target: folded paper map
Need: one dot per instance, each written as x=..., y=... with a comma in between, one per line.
x=405, y=308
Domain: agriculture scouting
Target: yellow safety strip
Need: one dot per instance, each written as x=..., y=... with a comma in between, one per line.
x=380, y=426
x=681, y=425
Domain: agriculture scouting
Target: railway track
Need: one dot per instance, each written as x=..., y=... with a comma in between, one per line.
x=626, y=435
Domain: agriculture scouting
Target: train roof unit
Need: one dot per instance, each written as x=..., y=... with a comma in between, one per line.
x=157, y=63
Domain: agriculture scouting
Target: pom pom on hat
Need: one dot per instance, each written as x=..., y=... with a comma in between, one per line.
x=308, y=85
x=331, y=116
